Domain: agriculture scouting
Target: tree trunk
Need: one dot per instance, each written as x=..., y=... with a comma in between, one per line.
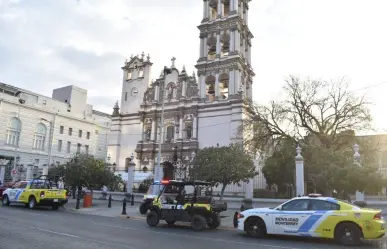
x=222, y=191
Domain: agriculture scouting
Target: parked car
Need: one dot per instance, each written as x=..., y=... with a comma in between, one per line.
x=4, y=187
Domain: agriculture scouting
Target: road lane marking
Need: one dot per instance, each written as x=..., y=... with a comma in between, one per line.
x=94, y=241
x=43, y=230
x=198, y=237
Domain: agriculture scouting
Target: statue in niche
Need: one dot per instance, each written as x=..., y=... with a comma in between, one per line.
x=189, y=131
x=179, y=90
x=148, y=134
x=170, y=92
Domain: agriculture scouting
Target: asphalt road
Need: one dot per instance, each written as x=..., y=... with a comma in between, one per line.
x=47, y=229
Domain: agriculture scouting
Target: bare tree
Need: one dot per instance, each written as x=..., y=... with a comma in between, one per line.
x=323, y=111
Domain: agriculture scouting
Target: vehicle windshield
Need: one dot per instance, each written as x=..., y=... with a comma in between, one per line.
x=154, y=189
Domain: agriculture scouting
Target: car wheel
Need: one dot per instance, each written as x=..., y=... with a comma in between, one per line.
x=215, y=221
x=152, y=219
x=32, y=202
x=348, y=234
x=143, y=208
x=255, y=227
x=198, y=222
x=5, y=200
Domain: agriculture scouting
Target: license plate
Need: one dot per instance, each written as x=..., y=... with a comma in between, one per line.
x=55, y=200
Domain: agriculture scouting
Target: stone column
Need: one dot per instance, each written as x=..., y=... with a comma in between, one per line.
x=231, y=82
x=220, y=11
x=202, y=86
x=194, y=128
x=237, y=41
x=184, y=90
x=232, y=40
x=181, y=128
x=218, y=45
x=216, y=85
x=3, y=163
x=131, y=166
x=153, y=134
x=205, y=9
x=156, y=97
x=201, y=50
x=231, y=5
x=142, y=128
x=205, y=48
x=300, y=183
x=359, y=199
x=30, y=172
x=235, y=7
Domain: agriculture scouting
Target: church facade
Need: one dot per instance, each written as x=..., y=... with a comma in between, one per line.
x=200, y=110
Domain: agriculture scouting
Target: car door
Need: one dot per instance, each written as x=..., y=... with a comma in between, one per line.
x=321, y=210
x=23, y=195
x=291, y=217
x=13, y=192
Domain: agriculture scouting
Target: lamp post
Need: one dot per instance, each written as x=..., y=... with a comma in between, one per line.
x=51, y=138
x=158, y=170
x=20, y=102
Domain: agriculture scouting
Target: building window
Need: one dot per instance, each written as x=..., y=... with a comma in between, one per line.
x=40, y=136
x=80, y=133
x=86, y=149
x=79, y=148
x=70, y=131
x=68, y=147
x=170, y=133
x=61, y=129
x=13, y=132
x=88, y=135
x=59, y=145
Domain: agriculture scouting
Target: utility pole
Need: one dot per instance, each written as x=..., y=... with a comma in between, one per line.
x=158, y=167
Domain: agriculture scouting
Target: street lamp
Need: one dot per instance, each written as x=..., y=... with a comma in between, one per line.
x=158, y=167
x=51, y=138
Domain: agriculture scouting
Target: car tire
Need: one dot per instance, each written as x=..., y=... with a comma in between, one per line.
x=348, y=234
x=198, y=222
x=215, y=221
x=143, y=208
x=32, y=203
x=5, y=200
x=255, y=227
x=152, y=219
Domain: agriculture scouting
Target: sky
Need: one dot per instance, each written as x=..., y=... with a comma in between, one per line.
x=46, y=44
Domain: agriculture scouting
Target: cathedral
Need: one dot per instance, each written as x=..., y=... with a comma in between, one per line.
x=195, y=110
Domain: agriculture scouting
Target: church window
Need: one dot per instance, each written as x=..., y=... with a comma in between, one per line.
x=126, y=96
x=140, y=72
x=210, y=88
x=225, y=45
x=211, y=45
x=226, y=7
x=213, y=10
x=223, y=86
x=129, y=75
x=170, y=133
x=40, y=136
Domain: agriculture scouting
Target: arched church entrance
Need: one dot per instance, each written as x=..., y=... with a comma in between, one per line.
x=168, y=170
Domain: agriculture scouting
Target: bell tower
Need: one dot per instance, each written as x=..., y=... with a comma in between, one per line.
x=224, y=65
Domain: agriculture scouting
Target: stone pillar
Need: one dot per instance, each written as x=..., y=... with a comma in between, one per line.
x=3, y=163
x=194, y=128
x=181, y=128
x=205, y=9
x=231, y=82
x=235, y=7
x=220, y=4
x=30, y=172
x=300, y=183
x=205, y=48
x=216, y=85
x=202, y=86
x=237, y=41
x=153, y=135
x=201, y=50
x=184, y=90
x=232, y=41
x=359, y=198
x=131, y=166
x=142, y=128
x=218, y=45
x=156, y=97
x=231, y=5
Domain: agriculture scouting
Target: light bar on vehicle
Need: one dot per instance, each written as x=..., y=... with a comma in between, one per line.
x=315, y=195
x=165, y=182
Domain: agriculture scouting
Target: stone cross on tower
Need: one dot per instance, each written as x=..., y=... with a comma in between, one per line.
x=173, y=61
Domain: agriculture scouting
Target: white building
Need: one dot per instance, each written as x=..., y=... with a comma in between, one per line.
x=31, y=121
x=198, y=113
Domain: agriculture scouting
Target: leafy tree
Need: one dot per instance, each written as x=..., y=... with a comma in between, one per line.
x=85, y=170
x=322, y=117
x=223, y=165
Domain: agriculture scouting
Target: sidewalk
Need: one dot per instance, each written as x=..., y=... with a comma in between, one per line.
x=100, y=208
